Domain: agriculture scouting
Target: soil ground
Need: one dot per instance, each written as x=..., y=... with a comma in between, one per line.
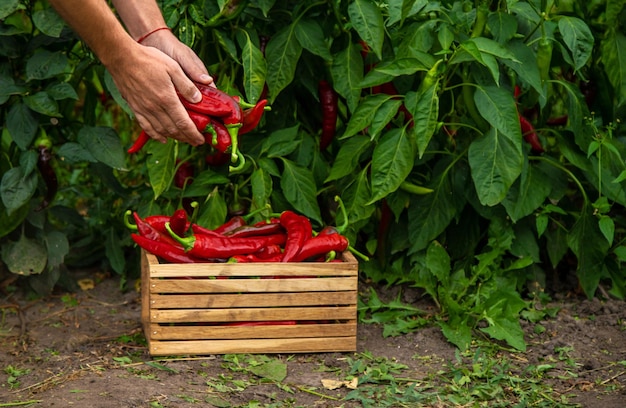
x=84, y=349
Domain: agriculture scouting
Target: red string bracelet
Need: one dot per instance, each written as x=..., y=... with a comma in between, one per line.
x=143, y=37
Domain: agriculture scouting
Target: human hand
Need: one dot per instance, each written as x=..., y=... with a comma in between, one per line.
x=149, y=79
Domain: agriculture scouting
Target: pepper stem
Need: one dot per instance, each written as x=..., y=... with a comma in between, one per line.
x=344, y=226
x=127, y=214
x=242, y=161
x=252, y=213
x=357, y=253
x=186, y=242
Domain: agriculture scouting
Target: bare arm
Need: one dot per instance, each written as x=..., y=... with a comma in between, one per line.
x=146, y=74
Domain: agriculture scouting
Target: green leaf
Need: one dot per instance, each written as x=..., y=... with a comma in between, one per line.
x=607, y=227
x=61, y=90
x=57, y=246
x=526, y=69
x=438, y=262
x=347, y=74
x=392, y=161
x=115, y=252
x=356, y=197
x=282, y=142
x=262, y=187
x=496, y=161
x=45, y=64
x=457, y=333
x=406, y=66
x=383, y=116
x=214, y=211
x=10, y=221
x=424, y=106
x=24, y=257
x=103, y=144
x=367, y=20
x=431, y=214
x=347, y=159
x=507, y=329
x=528, y=193
x=282, y=54
x=417, y=37
x=503, y=26
x=115, y=93
x=186, y=32
x=273, y=370
x=43, y=103
x=22, y=125
x=49, y=22
x=578, y=38
x=8, y=7
x=364, y=114
x=16, y=188
x=613, y=54
x=73, y=153
x=590, y=247
x=161, y=163
x=498, y=107
x=311, y=37
x=299, y=188
x=254, y=70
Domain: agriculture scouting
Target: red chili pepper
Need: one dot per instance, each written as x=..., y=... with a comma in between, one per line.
x=255, y=258
x=167, y=252
x=214, y=103
x=558, y=121
x=184, y=174
x=141, y=141
x=530, y=135
x=218, y=246
x=252, y=117
x=298, y=229
x=44, y=165
x=178, y=221
x=217, y=159
x=329, y=100
x=148, y=231
x=201, y=121
x=269, y=252
x=254, y=230
x=322, y=245
x=220, y=138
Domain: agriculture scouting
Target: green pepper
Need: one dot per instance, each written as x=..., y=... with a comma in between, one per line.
x=544, y=58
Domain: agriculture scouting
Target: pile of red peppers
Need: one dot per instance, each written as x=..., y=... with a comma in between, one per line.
x=221, y=118
x=284, y=237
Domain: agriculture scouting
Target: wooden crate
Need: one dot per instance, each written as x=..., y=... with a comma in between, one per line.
x=212, y=308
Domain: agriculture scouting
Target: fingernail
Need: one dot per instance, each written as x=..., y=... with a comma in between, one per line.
x=204, y=78
x=197, y=97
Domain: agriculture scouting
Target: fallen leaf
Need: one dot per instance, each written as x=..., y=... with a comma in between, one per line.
x=86, y=284
x=334, y=384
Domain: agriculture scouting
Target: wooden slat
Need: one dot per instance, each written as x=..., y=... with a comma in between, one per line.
x=158, y=332
x=181, y=304
x=195, y=301
x=347, y=268
x=253, y=314
x=251, y=285
x=299, y=345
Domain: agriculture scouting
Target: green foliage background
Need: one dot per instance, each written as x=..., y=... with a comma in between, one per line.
x=441, y=189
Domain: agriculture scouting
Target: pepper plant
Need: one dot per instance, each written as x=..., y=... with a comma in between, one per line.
x=478, y=145
x=61, y=197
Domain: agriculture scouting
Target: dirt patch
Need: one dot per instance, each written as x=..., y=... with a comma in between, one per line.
x=85, y=349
